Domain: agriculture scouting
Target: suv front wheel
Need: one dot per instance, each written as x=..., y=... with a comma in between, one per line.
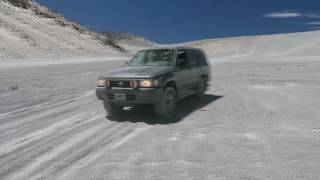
x=167, y=104
x=111, y=108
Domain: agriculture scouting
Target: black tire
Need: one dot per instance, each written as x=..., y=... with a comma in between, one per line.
x=111, y=109
x=202, y=87
x=167, y=105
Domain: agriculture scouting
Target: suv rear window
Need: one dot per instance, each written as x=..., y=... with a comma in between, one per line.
x=201, y=58
x=196, y=57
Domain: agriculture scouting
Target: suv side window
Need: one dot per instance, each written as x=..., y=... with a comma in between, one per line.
x=182, y=54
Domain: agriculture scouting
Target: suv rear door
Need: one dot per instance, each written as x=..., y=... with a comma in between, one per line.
x=204, y=68
x=188, y=75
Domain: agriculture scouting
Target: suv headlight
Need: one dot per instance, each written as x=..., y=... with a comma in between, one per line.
x=148, y=83
x=103, y=83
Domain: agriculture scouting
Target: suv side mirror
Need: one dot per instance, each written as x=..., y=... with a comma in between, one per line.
x=181, y=62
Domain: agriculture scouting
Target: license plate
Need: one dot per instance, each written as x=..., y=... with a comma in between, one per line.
x=120, y=96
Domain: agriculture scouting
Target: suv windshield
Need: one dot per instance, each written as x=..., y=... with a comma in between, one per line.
x=157, y=57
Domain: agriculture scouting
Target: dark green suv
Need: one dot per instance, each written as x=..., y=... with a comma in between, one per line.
x=158, y=77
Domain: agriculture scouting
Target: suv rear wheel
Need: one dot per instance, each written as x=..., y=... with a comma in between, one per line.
x=202, y=87
x=168, y=103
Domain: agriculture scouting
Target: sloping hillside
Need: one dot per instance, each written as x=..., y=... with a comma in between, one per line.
x=28, y=29
x=280, y=45
x=129, y=42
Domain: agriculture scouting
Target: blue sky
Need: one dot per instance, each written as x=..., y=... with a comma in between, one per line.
x=170, y=21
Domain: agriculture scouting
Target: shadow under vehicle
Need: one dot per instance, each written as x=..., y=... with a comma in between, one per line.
x=145, y=113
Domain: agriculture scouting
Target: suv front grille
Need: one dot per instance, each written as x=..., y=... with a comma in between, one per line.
x=129, y=97
x=120, y=84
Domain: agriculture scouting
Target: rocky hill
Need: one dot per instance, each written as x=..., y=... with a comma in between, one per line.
x=30, y=30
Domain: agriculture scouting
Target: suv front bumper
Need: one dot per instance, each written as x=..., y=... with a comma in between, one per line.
x=133, y=96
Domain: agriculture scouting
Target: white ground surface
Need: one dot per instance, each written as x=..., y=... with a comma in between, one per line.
x=260, y=120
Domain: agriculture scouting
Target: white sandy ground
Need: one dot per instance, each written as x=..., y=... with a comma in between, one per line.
x=260, y=120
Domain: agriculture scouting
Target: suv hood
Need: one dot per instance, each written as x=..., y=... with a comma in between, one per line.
x=140, y=71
